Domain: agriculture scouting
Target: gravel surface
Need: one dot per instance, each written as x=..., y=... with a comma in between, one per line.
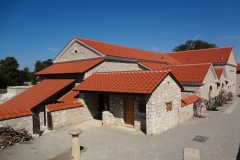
x=103, y=143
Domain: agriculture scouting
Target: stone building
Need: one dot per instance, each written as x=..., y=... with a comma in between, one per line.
x=148, y=100
x=238, y=79
x=60, y=99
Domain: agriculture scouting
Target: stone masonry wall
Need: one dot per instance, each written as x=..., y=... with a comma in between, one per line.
x=111, y=65
x=82, y=53
x=157, y=117
x=117, y=108
x=18, y=123
x=90, y=107
x=231, y=73
x=209, y=81
x=194, y=89
x=238, y=84
x=67, y=117
x=185, y=112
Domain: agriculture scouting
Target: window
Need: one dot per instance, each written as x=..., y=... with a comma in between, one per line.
x=168, y=106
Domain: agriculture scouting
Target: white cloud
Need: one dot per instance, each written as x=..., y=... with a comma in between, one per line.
x=230, y=37
x=154, y=48
x=194, y=38
x=52, y=49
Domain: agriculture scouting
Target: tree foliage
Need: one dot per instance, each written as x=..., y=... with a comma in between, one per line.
x=40, y=65
x=9, y=72
x=194, y=45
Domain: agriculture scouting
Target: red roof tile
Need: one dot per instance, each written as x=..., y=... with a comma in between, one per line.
x=188, y=100
x=128, y=82
x=238, y=67
x=69, y=97
x=219, y=72
x=189, y=72
x=153, y=65
x=70, y=67
x=61, y=106
x=212, y=55
x=69, y=100
x=127, y=52
x=21, y=104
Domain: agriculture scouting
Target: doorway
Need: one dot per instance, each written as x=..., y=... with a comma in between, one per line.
x=103, y=104
x=129, y=112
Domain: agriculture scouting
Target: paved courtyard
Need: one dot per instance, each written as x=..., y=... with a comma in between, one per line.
x=118, y=143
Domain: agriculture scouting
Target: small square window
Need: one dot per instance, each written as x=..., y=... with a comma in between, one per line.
x=168, y=106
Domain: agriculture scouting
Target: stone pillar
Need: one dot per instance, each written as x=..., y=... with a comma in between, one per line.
x=75, y=143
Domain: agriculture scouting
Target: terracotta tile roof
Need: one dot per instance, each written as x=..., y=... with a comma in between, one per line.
x=219, y=72
x=127, y=82
x=188, y=100
x=21, y=104
x=70, y=67
x=212, y=55
x=69, y=100
x=153, y=65
x=70, y=96
x=62, y=106
x=238, y=67
x=127, y=52
x=189, y=72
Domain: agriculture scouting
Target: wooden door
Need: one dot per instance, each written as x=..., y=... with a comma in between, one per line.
x=129, y=112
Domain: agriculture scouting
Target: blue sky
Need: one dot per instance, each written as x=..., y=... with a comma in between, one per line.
x=38, y=30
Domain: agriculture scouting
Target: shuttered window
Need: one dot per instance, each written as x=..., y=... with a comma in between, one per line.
x=168, y=106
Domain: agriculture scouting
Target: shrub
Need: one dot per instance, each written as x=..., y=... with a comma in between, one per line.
x=210, y=105
x=198, y=105
x=229, y=96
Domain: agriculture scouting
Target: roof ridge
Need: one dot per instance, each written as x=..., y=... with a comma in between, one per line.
x=80, y=60
x=197, y=50
x=135, y=71
x=195, y=64
x=116, y=44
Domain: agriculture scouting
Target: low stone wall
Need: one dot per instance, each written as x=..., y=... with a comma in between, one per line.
x=68, y=117
x=18, y=123
x=185, y=112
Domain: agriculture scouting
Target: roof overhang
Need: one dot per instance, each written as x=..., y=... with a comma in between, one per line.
x=192, y=83
x=222, y=64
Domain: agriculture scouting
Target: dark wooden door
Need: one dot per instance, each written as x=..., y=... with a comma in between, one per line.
x=129, y=112
x=36, y=124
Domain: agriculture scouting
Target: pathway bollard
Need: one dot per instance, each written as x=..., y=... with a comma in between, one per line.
x=75, y=143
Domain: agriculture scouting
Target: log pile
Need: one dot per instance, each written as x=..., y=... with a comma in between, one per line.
x=9, y=136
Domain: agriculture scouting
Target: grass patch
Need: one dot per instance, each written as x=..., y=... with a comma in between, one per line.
x=3, y=90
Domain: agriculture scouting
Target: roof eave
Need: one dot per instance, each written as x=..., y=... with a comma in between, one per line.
x=192, y=83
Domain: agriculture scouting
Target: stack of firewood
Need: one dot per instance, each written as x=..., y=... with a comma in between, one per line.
x=9, y=136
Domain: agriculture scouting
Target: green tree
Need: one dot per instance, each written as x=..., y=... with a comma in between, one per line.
x=24, y=75
x=194, y=45
x=40, y=65
x=9, y=72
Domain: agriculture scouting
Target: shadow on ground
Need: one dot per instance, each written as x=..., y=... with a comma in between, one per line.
x=238, y=155
x=67, y=154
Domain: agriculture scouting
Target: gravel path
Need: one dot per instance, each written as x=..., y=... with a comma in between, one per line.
x=103, y=143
